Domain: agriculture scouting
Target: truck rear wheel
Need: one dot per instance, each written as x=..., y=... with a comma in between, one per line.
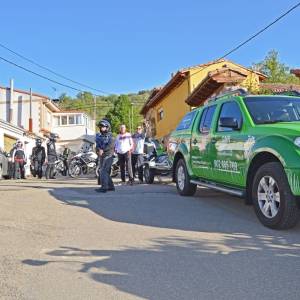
x=183, y=184
x=274, y=203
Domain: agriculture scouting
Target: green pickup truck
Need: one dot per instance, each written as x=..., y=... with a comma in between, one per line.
x=247, y=146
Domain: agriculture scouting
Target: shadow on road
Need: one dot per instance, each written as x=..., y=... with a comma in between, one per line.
x=230, y=255
x=232, y=266
x=161, y=206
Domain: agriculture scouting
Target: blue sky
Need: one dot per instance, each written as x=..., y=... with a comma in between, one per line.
x=125, y=46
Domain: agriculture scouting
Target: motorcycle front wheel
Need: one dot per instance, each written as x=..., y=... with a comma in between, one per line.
x=74, y=169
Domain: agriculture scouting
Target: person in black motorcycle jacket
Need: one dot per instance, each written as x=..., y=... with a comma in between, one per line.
x=51, y=156
x=19, y=160
x=105, y=149
x=38, y=157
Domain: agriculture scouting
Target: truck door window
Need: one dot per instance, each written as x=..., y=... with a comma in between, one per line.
x=206, y=119
x=230, y=110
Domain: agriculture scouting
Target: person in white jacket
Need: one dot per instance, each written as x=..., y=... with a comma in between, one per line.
x=123, y=147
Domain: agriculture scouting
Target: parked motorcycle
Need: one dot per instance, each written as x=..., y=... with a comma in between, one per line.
x=156, y=165
x=83, y=163
x=60, y=166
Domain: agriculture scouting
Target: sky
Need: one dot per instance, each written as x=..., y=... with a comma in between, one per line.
x=122, y=46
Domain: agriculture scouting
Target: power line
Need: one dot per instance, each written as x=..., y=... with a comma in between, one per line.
x=51, y=71
x=260, y=31
x=41, y=76
x=251, y=37
x=86, y=106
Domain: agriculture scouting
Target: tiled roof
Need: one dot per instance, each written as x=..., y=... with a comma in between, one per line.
x=213, y=82
x=71, y=111
x=180, y=76
x=280, y=87
x=296, y=72
x=25, y=92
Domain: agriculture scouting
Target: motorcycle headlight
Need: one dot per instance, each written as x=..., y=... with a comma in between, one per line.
x=297, y=142
x=152, y=163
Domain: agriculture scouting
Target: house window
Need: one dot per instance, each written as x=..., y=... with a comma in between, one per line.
x=160, y=114
x=64, y=120
x=48, y=119
x=56, y=121
x=79, y=119
x=71, y=119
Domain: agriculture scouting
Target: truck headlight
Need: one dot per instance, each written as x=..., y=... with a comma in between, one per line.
x=297, y=142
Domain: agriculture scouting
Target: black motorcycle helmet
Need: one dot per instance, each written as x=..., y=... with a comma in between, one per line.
x=104, y=123
x=53, y=137
x=38, y=142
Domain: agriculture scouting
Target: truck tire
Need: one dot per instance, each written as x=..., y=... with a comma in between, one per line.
x=183, y=184
x=148, y=174
x=274, y=203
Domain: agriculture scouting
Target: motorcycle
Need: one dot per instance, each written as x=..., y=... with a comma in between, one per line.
x=60, y=166
x=83, y=163
x=156, y=165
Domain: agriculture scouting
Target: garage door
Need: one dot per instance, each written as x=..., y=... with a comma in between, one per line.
x=8, y=142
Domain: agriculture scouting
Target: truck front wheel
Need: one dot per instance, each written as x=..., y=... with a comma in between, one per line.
x=274, y=203
x=183, y=184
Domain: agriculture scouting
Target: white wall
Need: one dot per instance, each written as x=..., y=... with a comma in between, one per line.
x=20, y=109
x=71, y=132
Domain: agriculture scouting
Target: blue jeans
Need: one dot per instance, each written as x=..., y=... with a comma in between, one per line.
x=106, y=181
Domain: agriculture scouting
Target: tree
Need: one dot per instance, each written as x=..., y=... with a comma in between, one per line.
x=85, y=102
x=276, y=71
x=123, y=112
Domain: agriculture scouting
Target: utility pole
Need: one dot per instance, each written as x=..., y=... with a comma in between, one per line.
x=95, y=107
x=132, y=118
x=129, y=120
x=30, y=110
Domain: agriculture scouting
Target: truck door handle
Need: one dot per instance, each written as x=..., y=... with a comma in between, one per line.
x=195, y=141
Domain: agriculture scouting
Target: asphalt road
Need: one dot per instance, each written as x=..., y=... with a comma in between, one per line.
x=61, y=240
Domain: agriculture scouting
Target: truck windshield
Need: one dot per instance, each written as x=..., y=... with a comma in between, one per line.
x=268, y=110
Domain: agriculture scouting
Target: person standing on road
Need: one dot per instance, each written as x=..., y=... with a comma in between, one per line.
x=38, y=157
x=66, y=155
x=105, y=149
x=19, y=160
x=11, y=165
x=124, y=146
x=138, y=153
x=51, y=156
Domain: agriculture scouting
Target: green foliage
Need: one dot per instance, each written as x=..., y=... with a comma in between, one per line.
x=116, y=108
x=276, y=71
x=124, y=112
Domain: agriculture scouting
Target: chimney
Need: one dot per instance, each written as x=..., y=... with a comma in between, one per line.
x=11, y=101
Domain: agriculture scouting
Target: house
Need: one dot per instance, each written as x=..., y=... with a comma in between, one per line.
x=37, y=115
x=220, y=80
x=10, y=133
x=167, y=105
x=75, y=128
x=224, y=79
